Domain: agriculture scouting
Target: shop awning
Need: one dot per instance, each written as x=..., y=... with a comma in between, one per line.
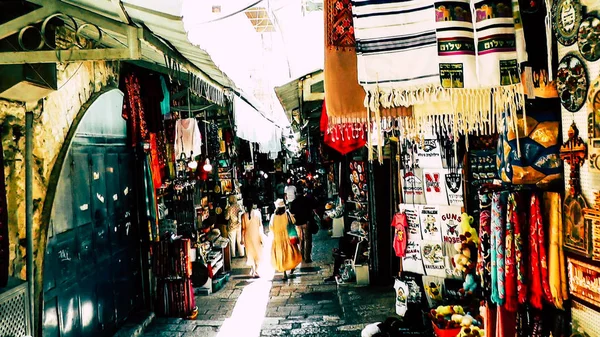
x=254, y=127
x=148, y=32
x=307, y=90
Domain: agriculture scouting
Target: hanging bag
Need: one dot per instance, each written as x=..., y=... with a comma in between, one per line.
x=539, y=144
x=291, y=229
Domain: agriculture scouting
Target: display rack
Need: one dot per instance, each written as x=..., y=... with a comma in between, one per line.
x=173, y=270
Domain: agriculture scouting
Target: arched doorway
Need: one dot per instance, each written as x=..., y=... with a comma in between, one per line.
x=92, y=272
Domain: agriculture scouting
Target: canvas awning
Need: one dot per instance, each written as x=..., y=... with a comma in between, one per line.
x=153, y=30
x=253, y=126
x=306, y=91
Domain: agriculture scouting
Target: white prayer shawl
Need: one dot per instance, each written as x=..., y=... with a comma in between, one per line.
x=397, y=52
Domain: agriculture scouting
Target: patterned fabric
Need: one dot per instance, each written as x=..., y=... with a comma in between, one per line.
x=512, y=217
x=499, y=200
x=133, y=109
x=538, y=263
x=538, y=161
x=155, y=164
x=484, y=255
x=340, y=31
x=556, y=258
x=518, y=223
x=496, y=45
x=456, y=44
x=389, y=35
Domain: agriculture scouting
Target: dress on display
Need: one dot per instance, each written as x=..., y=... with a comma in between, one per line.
x=187, y=138
x=252, y=236
x=284, y=255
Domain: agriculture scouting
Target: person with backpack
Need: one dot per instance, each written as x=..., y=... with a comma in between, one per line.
x=303, y=210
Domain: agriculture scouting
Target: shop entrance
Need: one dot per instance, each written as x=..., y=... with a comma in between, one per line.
x=92, y=271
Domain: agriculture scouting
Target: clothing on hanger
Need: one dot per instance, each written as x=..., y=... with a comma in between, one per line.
x=187, y=138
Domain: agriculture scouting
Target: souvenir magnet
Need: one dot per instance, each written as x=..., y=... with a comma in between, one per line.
x=566, y=17
x=588, y=37
x=572, y=82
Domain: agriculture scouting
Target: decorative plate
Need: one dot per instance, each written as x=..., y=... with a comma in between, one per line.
x=588, y=37
x=217, y=189
x=572, y=82
x=355, y=190
x=218, y=210
x=566, y=17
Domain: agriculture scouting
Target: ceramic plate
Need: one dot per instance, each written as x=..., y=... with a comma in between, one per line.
x=572, y=82
x=588, y=38
x=566, y=17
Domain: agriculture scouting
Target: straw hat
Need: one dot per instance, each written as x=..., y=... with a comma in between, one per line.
x=279, y=203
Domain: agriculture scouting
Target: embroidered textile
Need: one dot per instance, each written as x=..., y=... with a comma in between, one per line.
x=133, y=109
x=556, y=258
x=389, y=36
x=499, y=200
x=520, y=258
x=484, y=261
x=510, y=281
x=538, y=263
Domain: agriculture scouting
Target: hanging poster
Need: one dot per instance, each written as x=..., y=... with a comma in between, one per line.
x=412, y=216
x=412, y=261
x=454, y=188
x=429, y=153
x=435, y=189
x=412, y=186
x=433, y=258
x=430, y=223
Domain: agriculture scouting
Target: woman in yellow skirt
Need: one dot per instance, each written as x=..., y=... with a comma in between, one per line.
x=285, y=255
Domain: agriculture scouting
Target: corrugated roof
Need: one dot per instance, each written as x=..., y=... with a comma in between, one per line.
x=164, y=20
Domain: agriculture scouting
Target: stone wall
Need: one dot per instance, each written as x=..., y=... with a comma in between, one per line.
x=77, y=82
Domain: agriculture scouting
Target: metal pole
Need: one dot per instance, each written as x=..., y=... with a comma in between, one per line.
x=29, y=214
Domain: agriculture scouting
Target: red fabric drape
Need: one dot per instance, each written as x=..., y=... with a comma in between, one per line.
x=341, y=143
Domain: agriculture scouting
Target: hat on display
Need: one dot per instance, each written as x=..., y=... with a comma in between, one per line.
x=279, y=203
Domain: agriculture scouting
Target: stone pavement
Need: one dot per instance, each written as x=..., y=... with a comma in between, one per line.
x=303, y=305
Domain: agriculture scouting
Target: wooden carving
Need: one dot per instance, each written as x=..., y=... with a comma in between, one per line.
x=573, y=152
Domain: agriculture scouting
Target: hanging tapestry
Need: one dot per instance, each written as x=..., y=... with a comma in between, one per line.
x=433, y=258
x=435, y=189
x=413, y=261
x=412, y=186
x=390, y=35
x=430, y=223
x=412, y=216
x=4, y=247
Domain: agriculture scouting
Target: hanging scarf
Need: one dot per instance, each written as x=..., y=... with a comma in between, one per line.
x=519, y=33
x=344, y=96
x=538, y=263
x=484, y=261
x=556, y=266
x=343, y=139
x=390, y=37
x=512, y=215
x=133, y=109
x=497, y=252
x=520, y=257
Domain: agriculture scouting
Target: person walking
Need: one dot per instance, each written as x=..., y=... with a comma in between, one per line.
x=302, y=209
x=290, y=192
x=252, y=237
x=285, y=254
x=234, y=229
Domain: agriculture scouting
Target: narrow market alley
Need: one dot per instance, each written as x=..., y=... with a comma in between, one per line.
x=304, y=305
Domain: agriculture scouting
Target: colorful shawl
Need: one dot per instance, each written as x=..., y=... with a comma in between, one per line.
x=556, y=258
x=483, y=251
x=396, y=48
x=518, y=224
x=499, y=200
x=538, y=263
x=512, y=217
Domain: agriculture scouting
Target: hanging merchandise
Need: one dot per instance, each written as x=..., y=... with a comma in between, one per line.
x=343, y=140
x=152, y=98
x=430, y=223
x=165, y=104
x=450, y=217
x=538, y=272
x=510, y=282
x=433, y=258
x=400, y=225
x=497, y=239
x=454, y=188
x=133, y=109
x=538, y=161
x=413, y=261
x=429, y=153
x=187, y=138
x=566, y=17
x=402, y=292
x=556, y=257
x=413, y=191
x=412, y=213
x=519, y=33
x=434, y=290
x=484, y=258
x=435, y=189
x=572, y=82
x=588, y=37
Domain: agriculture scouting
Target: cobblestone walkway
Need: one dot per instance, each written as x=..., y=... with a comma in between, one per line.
x=301, y=306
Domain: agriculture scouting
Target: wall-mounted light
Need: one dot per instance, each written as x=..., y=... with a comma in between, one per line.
x=207, y=166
